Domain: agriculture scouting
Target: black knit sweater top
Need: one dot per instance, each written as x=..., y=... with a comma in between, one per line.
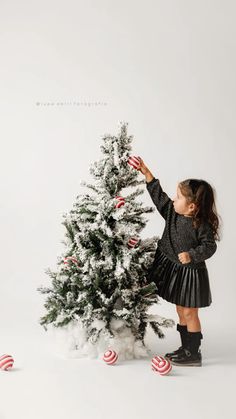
x=179, y=234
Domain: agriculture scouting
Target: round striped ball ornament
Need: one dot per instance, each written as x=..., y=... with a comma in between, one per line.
x=161, y=365
x=134, y=162
x=6, y=362
x=110, y=357
x=71, y=259
x=133, y=242
x=120, y=201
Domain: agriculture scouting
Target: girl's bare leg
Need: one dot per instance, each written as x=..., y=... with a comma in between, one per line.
x=190, y=315
x=180, y=311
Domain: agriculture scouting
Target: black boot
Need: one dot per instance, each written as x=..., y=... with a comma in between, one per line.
x=184, y=340
x=191, y=356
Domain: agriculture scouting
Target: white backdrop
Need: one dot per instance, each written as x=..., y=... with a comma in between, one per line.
x=168, y=69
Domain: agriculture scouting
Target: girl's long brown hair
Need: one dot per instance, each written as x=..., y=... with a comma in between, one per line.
x=202, y=194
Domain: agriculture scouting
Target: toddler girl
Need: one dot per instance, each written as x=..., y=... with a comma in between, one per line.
x=179, y=269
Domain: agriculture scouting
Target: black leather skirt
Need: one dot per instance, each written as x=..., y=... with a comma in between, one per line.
x=180, y=284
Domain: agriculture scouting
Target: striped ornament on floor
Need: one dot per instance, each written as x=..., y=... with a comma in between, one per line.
x=161, y=365
x=110, y=357
x=6, y=362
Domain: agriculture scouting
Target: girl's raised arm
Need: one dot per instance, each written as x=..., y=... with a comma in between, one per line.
x=159, y=197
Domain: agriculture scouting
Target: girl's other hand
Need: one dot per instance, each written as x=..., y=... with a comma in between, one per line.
x=184, y=257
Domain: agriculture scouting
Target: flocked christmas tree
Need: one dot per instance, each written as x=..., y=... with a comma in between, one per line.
x=100, y=294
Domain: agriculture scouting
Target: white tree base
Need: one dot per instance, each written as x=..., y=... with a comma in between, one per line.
x=71, y=341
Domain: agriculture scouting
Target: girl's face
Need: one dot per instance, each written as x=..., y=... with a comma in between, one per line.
x=181, y=205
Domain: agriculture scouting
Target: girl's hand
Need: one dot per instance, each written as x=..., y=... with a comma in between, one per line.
x=184, y=257
x=143, y=168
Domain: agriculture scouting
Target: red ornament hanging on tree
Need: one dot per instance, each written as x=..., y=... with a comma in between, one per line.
x=72, y=259
x=134, y=162
x=133, y=241
x=121, y=201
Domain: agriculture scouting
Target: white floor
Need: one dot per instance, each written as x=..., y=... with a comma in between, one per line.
x=43, y=385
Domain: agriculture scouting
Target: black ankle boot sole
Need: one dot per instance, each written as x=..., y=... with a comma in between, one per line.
x=186, y=363
x=187, y=359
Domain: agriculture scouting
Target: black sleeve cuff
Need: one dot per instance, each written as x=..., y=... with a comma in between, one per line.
x=152, y=181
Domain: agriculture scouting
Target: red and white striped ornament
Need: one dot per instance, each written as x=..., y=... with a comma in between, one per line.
x=6, y=362
x=121, y=201
x=134, y=162
x=161, y=365
x=72, y=259
x=110, y=357
x=133, y=241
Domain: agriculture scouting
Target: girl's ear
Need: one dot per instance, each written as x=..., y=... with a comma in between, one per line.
x=192, y=207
